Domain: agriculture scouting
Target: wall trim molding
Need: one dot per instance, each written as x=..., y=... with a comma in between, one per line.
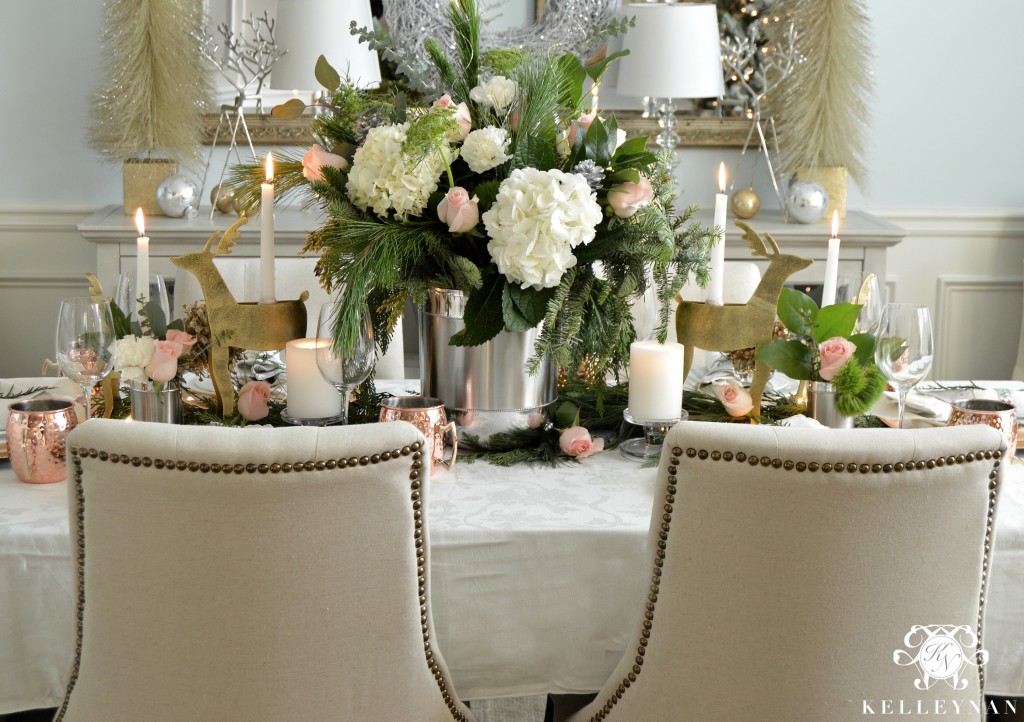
x=949, y=287
x=61, y=218
x=43, y=280
x=946, y=222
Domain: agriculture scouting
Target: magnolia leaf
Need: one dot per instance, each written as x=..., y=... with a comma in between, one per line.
x=567, y=414
x=122, y=326
x=514, y=319
x=790, y=357
x=596, y=70
x=865, y=353
x=838, y=319
x=531, y=303
x=483, y=316
x=595, y=143
x=796, y=311
x=289, y=110
x=534, y=152
x=633, y=146
x=326, y=75
x=630, y=175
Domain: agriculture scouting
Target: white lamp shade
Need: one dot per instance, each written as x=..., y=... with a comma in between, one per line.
x=674, y=52
x=308, y=29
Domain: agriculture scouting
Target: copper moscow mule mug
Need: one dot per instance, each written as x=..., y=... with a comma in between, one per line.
x=998, y=414
x=36, y=432
x=426, y=414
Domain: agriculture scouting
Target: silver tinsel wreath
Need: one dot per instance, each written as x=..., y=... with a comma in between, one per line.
x=567, y=24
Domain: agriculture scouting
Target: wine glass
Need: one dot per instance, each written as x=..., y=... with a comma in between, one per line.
x=128, y=293
x=85, y=330
x=855, y=287
x=903, y=347
x=344, y=371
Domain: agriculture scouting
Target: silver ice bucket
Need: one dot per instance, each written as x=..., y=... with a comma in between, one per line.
x=486, y=388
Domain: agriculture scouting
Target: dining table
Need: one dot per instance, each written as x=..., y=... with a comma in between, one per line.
x=537, y=575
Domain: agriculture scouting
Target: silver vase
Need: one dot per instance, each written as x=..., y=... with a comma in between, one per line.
x=162, y=406
x=821, y=406
x=486, y=388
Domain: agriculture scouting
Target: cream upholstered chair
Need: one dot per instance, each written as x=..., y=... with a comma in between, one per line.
x=788, y=566
x=256, y=574
x=293, y=276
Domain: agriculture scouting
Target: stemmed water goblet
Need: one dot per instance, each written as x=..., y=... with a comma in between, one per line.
x=903, y=347
x=85, y=330
x=854, y=287
x=344, y=369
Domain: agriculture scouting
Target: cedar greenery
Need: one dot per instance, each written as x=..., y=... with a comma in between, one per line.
x=383, y=262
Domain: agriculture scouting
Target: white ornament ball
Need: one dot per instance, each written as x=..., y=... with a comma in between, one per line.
x=178, y=196
x=806, y=201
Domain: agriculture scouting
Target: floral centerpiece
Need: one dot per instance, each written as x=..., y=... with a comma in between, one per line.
x=509, y=187
x=826, y=349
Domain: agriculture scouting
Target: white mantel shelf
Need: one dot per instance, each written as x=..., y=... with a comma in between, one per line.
x=865, y=239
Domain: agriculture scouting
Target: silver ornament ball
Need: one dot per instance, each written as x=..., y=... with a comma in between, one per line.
x=178, y=196
x=806, y=201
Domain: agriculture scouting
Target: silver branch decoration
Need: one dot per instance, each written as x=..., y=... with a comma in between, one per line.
x=245, y=62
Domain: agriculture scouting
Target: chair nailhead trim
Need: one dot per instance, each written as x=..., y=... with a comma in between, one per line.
x=788, y=465
x=274, y=468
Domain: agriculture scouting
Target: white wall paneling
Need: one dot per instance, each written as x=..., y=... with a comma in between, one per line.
x=977, y=326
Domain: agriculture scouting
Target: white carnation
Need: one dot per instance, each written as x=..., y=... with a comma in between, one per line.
x=485, y=148
x=536, y=220
x=497, y=93
x=130, y=356
x=381, y=180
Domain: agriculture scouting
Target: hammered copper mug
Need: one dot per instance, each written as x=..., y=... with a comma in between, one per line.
x=36, y=432
x=998, y=414
x=426, y=414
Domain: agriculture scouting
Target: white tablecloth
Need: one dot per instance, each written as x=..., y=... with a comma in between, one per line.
x=537, y=576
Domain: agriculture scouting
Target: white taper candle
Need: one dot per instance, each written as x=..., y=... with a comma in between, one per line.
x=828, y=290
x=141, y=262
x=716, y=264
x=267, y=291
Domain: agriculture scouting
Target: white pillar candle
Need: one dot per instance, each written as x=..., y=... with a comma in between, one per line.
x=655, y=380
x=310, y=396
x=267, y=291
x=828, y=290
x=141, y=261
x=716, y=264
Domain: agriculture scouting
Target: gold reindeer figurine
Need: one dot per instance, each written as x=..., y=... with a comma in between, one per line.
x=253, y=326
x=736, y=326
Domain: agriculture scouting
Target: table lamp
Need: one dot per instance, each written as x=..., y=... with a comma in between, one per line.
x=674, y=52
x=308, y=29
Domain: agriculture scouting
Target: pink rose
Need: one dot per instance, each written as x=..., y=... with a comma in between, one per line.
x=458, y=210
x=626, y=198
x=163, y=366
x=186, y=340
x=734, y=398
x=461, y=115
x=252, y=400
x=576, y=441
x=584, y=122
x=834, y=354
x=316, y=158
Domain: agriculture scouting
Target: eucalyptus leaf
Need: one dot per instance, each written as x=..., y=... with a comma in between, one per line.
x=797, y=311
x=156, y=318
x=326, y=75
x=289, y=110
x=839, y=319
x=790, y=357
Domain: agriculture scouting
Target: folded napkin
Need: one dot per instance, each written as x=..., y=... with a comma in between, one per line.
x=803, y=422
x=923, y=404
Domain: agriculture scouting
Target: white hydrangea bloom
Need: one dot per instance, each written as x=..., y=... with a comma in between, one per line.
x=380, y=179
x=130, y=356
x=485, y=148
x=497, y=93
x=536, y=220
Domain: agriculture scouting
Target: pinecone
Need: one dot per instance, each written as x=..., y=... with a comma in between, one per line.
x=591, y=171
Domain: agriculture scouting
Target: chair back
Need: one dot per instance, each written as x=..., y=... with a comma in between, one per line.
x=803, y=574
x=252, y=574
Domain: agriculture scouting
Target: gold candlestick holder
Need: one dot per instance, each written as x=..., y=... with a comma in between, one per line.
x=252, y=326
x=736, y=326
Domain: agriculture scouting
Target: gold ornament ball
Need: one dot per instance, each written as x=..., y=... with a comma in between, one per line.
x=226, y=202
x=745, y=203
